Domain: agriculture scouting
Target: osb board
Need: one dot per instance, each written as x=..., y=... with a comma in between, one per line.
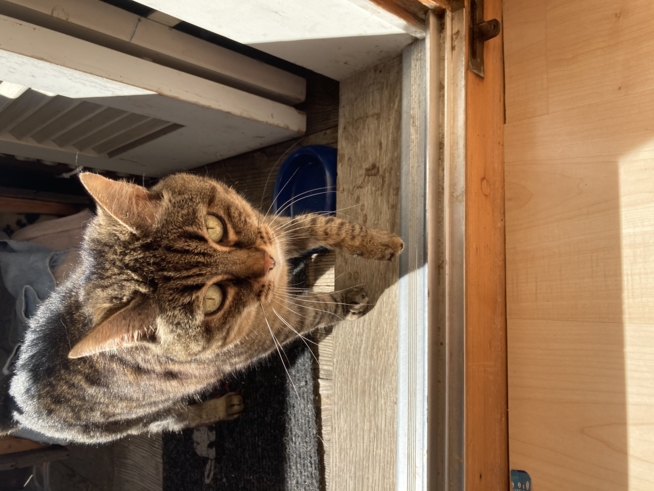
x=580, y=245
x=364, y=414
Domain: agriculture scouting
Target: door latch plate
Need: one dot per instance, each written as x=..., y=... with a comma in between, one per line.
x=480, y=31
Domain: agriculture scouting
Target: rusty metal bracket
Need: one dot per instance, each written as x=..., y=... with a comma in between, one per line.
x=480, y=31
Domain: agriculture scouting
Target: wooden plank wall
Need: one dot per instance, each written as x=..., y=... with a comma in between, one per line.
x=580, y=242
x=365, y=351
x=486, y=464
x=12, y=444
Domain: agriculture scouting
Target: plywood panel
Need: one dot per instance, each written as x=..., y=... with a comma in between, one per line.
x=582, y=400
x=598, y=50
x=526, y=54
x=609, y=129
x=580, y=243
x=365, y=351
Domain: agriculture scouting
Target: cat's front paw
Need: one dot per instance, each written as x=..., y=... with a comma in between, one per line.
x=224, y=408
x=383, y=245
x=233, y=405
x=356, y=303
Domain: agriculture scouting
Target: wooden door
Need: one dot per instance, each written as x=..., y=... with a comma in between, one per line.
x=579, y=231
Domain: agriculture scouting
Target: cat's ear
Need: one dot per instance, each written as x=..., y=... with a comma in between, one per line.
x=130, y=204
x=132, y=325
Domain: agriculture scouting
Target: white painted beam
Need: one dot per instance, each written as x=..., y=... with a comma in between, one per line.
x=109, y=26
x=218, y=121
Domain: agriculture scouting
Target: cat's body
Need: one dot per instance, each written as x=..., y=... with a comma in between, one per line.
x=178, y=286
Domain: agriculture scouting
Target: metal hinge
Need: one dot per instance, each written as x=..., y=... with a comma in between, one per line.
x=480, y=31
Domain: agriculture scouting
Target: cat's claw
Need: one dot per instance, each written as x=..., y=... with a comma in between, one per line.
x=357, y=303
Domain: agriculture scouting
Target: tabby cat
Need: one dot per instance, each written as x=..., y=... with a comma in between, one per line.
x=178, y=286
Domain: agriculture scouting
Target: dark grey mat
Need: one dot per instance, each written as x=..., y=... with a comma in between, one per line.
x=273, y=446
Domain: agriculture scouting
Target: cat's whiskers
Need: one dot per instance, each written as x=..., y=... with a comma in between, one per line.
x=279, y=192
x=284, y=304
x=279, y=350
x=300, y=197
x=296, y=227
x=294, y=289
x=298, y=219
x=308, y=347
x=291, y=310
x=307, y=307
x=335, y=291
x=304, y=340
x=265, y=186
x=293, y=199
x=333, y=303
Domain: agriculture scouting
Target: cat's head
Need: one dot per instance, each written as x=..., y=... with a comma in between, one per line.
x=182, y=267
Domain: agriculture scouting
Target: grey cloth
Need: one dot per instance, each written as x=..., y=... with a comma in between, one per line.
x=26, y=271
x=27, y=280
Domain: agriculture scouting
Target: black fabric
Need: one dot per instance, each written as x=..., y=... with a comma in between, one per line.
x=272, y=446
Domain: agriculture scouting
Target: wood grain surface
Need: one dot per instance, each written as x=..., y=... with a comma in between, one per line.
x=486, y=428
x=580, y=242
x=12, y=444
x=19, y=205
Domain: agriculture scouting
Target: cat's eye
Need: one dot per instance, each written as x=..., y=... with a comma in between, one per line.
x=215, y=228
x=213, y=299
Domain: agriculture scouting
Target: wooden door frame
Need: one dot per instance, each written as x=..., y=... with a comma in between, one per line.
x=486, y=421
x=452, y=371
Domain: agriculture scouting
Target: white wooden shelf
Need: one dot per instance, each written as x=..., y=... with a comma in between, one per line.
x=211, y=121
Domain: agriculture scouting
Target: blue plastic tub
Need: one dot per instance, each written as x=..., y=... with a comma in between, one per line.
x=306, y=182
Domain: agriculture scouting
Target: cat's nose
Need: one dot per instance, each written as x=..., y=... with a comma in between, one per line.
x=268, y=262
